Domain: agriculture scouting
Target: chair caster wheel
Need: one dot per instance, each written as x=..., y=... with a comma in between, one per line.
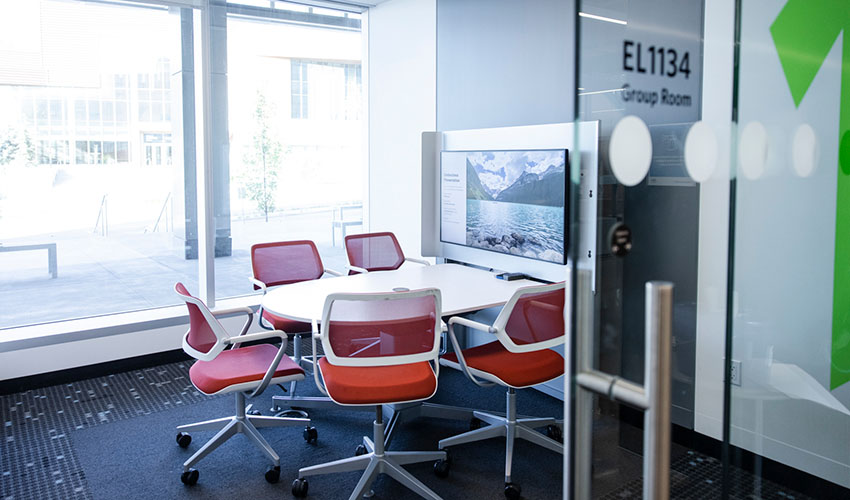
x=255, y=412
x=360, y=450
x=273, y=474
x=555, y=432
x=512, y=491
x=299, y=487
x=190, y=477
x=475, y=423
x=184, y=439
x=292, y=412
x=441, y=467
x=311, y=435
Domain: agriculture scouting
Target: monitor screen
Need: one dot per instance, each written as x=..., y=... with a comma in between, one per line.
x=513, y=202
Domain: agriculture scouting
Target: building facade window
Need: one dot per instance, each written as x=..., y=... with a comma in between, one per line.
x=323, y=90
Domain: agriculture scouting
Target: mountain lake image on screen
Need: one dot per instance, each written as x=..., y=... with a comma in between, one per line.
x=511, y=202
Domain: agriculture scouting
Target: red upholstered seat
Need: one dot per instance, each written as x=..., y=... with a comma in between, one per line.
x=515, y=369
x=286, y=325
x=370, y=385
x=238, y=366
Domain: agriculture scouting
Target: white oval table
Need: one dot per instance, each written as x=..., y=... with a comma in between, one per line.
x=463, y=289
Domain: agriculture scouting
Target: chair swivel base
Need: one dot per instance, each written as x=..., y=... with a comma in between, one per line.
x=377, y=461
x=241, y=423
x=511, y=428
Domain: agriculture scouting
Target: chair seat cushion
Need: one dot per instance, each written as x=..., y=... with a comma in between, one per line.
x=368, y=385
x=240, y=366
x=286, y=325
x=514, y=369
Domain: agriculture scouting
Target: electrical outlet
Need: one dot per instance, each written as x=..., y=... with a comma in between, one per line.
x=736, y=372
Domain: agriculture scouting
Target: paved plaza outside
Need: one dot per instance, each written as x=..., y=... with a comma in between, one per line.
x=132, y=269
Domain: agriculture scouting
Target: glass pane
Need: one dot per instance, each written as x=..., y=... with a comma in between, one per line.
x=790, y=363
x=109, y=152
x=123, y=151
x=75, y=186
x=639, y=88
x=290, y=171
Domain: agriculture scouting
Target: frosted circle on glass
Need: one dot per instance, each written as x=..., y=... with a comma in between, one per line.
x=700, y=151
x=804, y=150
x=630, y=150
x=752, y=150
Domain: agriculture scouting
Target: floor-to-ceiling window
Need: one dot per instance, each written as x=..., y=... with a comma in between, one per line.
x=86, y=160
x=100, y=130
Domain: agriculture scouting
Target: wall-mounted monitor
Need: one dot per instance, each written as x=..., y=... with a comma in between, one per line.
x=507, y=201
x=513, y=214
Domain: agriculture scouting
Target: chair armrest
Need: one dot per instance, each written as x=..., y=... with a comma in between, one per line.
x=457, y=320
x=332, y=272
x=281, y=352
x=251, y=337
x=459, y=352
x=260, y=284
x=356, y=269
x=236, y=310
x=418, y=261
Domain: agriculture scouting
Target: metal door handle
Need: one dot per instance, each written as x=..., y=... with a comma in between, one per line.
x=654, y=397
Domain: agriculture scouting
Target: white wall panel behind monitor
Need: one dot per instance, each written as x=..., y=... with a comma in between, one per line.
x=432, y=144
x=553, y=136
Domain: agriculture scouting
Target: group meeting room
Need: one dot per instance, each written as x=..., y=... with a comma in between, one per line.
x=440, y=249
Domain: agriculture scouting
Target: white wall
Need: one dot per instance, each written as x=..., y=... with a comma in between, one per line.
x=402, y=66
x=67, y=355
x=714, y=220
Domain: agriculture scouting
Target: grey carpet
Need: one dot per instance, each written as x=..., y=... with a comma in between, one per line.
x=138, y=458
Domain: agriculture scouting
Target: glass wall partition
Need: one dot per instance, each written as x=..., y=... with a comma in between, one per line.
x=723, y=171
x=91, y=106
x=788, y=349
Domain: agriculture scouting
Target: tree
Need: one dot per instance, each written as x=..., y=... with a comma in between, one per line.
x=263, y=159
x=16, y=146
x=9, y=147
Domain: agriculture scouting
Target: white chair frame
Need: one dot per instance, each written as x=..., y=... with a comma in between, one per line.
x=241, y=423
x=509, y=426
x=377, y=460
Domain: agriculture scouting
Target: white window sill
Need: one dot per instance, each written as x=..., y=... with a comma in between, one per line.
x=25, y=337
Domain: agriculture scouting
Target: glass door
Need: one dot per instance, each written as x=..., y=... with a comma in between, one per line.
x=640, y=79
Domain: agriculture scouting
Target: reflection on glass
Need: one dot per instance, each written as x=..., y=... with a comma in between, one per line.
x=295, y=134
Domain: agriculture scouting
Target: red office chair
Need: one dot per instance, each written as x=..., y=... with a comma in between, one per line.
x=243, y=370
x=375, y=252
x=282, y=263
x=529, y=325
x=380, y=349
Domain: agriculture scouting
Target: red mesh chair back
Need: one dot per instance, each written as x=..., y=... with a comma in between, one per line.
x=374, y=251
x=284, y=262
x=381, y=329
x=537, y=317
x=201, y=336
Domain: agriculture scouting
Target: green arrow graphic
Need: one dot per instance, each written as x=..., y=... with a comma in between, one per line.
x=803, y=33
